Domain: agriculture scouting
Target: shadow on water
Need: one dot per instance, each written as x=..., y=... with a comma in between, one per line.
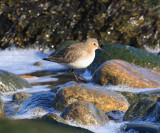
x=62, y=75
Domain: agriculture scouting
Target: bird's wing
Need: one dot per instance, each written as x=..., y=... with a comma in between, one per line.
x=67, y=55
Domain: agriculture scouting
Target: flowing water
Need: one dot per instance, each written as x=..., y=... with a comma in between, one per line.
x=45, y=77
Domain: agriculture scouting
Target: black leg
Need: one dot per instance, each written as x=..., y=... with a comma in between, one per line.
x=71, y=71
x=81, y=77
x=76, y=74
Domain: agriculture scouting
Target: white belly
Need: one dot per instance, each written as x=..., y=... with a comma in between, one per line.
x=80, y=63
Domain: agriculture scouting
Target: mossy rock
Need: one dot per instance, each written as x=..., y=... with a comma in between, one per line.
x=134, y=97
x=139, y=109
x=12, y=82
x=143, y=110
x=127, y=53
x=48, y=23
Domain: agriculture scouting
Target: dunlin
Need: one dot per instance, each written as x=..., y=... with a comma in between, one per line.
x=77, y=56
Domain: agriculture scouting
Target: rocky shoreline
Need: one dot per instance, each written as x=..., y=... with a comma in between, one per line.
x=87, y=104
x=48, y=23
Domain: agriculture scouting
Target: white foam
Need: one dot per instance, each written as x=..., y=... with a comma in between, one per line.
x=110, y=127
x=152, y=50
x=20, y=61
x=41, y=79
x=128, y=89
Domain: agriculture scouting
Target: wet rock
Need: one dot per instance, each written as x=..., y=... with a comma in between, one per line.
x=105, y=100
x=138, y=109
x=48, y=23
x=84, y=113
x=115, y=115
x=134, y=97
x=12, y=82
x=52, y=116
x=38, y=63
x=127, y=53
x=1, y=107
x=38, y=104
x=55, y=89
x=121, y=72
x=21, y=96
x=38, y=126
x=141, y=127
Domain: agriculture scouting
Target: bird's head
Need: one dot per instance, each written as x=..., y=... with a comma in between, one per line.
x=93, y=43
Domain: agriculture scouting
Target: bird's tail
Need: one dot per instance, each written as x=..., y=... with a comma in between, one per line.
x=44, y=59
x=50, y=59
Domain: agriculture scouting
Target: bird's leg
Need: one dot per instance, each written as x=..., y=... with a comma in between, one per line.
x=81, y=76
x=71, y=71
x=76, y=74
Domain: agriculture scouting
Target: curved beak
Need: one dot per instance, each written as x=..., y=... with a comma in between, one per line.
x=103, y=51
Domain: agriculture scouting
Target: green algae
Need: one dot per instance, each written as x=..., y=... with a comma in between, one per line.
x=128, y=53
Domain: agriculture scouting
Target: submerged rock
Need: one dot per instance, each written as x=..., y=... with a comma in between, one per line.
x=12, y=82
x=127, y=53
x=105, y=100
x=121, y=72
x=21, y=96
x=38, y=63
x=52, y=116
x=84, y=113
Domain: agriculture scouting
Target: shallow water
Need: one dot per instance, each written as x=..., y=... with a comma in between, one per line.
x=44, y=77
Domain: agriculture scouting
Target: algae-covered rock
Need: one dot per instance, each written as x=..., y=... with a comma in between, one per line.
x=138, y=109
x=134, y=97
x=105, y=100
x=85, y=113
x=121, y=72
x=144, y=110
x=12, y=82
x=127, y=53
x=52, y=116
x=49, y=23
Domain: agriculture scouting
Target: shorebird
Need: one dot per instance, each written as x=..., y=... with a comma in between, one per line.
x=77, y=56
